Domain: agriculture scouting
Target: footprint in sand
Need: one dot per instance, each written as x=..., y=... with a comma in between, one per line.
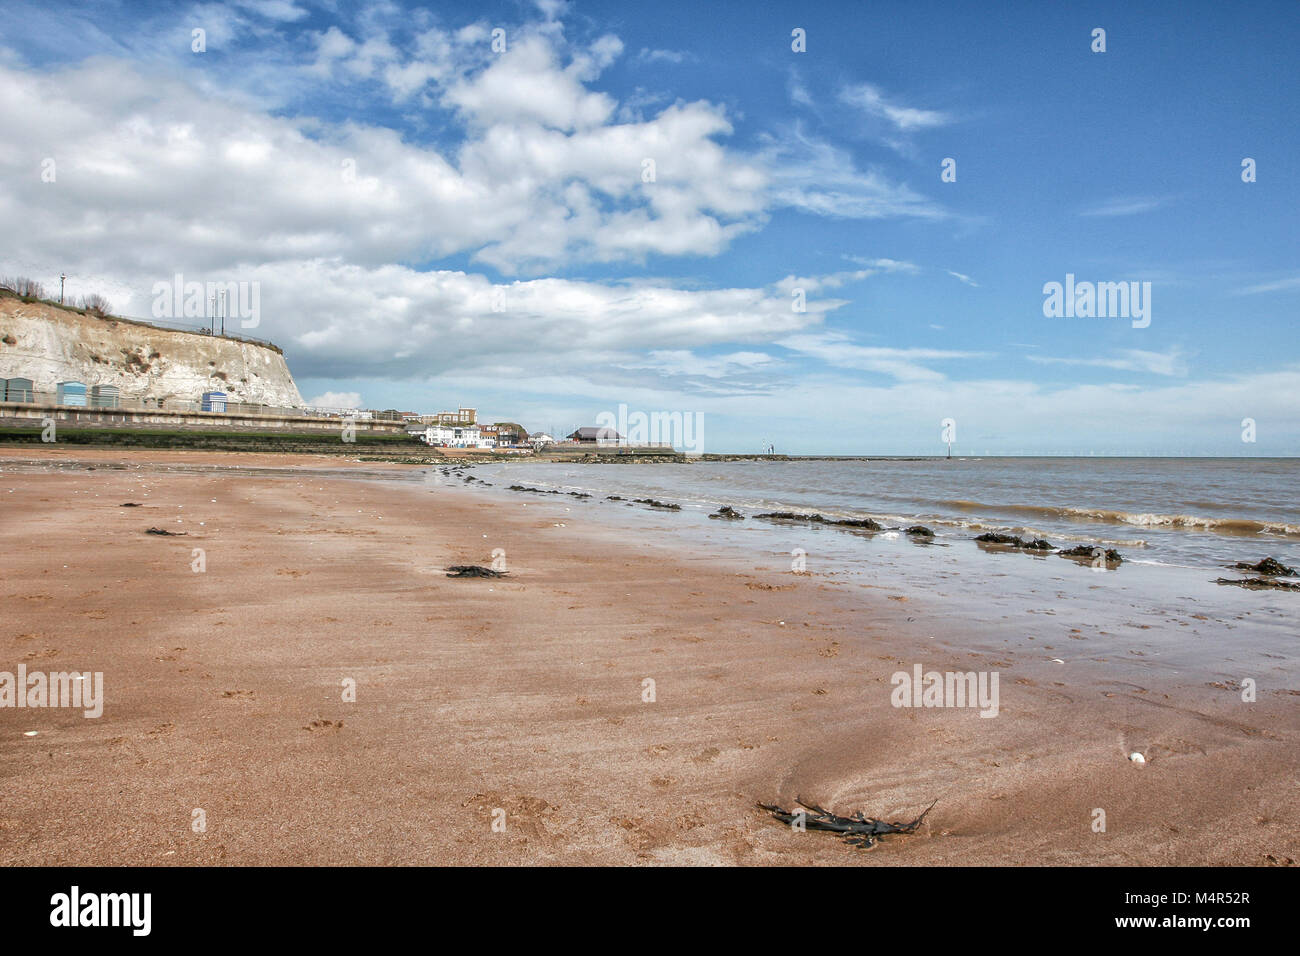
x=324, y=725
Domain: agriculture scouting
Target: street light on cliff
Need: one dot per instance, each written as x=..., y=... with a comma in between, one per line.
x=62, y=278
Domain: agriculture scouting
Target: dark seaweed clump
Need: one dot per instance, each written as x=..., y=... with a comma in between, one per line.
x=473, y=571
x=1014, y=541
x=1268, y=566
x=865, y=523
x=1259, y=584
x=1089, y=553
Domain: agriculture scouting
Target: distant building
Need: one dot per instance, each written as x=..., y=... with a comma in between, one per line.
x=504, y=434
x=591, y=434
x=462, y=416
x=449, y=436
x=537, y=439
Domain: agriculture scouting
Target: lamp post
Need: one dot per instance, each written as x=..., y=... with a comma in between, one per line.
x=221, y=308
x=62, y=278
x=213, y=310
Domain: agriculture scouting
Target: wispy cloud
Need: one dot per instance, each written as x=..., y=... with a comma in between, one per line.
x=283, y=10
x=663, y=56
x=884, y=265
x=963, y=278
x=905, y=364
x=1125, y=206
x=686, y=362
x=835, y=280
x=818, y=178
x=1127, y=360
x=799, y=92
x=1278, y=286
x=872, y=101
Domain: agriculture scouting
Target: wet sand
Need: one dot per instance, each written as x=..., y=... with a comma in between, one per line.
x=525, y=694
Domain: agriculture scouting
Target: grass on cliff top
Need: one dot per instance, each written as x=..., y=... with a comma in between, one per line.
x=143, y=323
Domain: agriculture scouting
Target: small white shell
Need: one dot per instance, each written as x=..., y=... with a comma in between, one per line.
x=1137, y=758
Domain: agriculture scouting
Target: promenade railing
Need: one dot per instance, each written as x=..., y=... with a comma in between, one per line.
x=48, y=398
x=204, y=328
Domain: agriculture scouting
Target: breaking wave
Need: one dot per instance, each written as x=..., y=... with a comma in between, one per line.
x=1233, y=526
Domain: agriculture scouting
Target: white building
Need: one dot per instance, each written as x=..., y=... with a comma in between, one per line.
x=451, y=436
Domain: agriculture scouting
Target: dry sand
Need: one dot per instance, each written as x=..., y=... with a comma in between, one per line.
x=525, y=694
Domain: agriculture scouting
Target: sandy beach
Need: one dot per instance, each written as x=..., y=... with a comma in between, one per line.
x=224, y=693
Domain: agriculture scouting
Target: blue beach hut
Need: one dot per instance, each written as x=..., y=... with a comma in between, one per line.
x=214, y=401
x=72, y=393
x=19, y=390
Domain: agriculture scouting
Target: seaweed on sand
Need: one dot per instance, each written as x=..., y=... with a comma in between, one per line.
x=1269, y=566
x=866, y=523
x=857, y=830
x=1259, y=584
x=473, y=571
x=1084, y=552
x=1015, y=541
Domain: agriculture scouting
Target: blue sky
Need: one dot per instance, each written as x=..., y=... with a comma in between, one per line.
x=498, y=246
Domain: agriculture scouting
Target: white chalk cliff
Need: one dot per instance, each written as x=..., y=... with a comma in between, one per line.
x=49, y=344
